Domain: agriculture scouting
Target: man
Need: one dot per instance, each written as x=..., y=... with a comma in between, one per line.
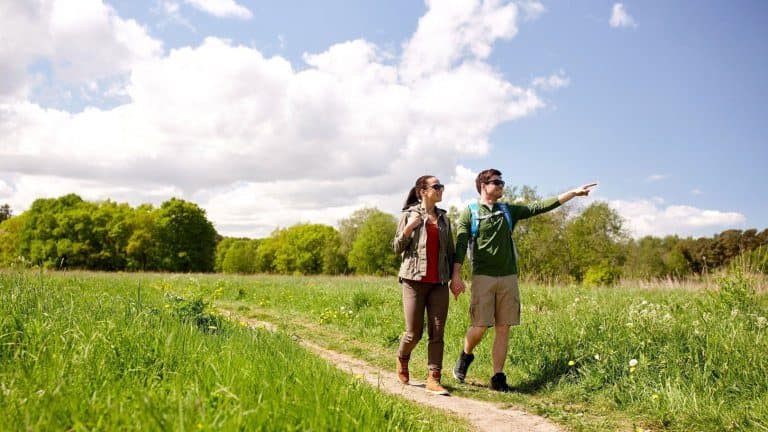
x=495, y=297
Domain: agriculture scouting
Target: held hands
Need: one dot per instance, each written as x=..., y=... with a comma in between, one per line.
x=457, y=286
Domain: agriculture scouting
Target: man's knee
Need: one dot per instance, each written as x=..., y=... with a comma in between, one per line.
x=502, y=330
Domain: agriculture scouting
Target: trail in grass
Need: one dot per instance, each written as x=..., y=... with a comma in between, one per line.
x=485, y=416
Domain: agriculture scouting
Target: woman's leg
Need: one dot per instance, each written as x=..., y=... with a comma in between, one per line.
x=437, y=312
x=414, y=297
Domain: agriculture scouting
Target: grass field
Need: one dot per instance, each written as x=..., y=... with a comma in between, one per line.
x=92, y=351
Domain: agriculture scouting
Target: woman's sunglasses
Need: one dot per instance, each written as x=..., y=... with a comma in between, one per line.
x=436, y=186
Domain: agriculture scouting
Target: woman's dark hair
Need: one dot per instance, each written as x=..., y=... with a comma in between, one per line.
x=413, y=195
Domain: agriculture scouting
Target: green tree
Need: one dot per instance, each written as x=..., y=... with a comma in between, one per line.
x=307, y=249
x=186, y=238
x=10, y=240
x=350, y=227
x=241, y=257
x=265, y=254
x=540, y=240
x=372, y=251
x=142, y=247
x=222, y=247
x=595, y=238
x=5, y=212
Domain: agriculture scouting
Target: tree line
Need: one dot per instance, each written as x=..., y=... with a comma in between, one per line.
x=588, y=245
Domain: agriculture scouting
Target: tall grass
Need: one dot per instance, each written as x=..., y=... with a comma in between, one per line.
x=664, y=359
x=109, y=352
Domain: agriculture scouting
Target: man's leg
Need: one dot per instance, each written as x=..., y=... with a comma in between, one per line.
x=500, y=347
x=473, y=337
x=507, y=314
x=481, y=310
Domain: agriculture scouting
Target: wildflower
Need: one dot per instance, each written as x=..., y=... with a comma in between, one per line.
x=167, y=306
x=597, y=357
x=632, y=370
x=762, y=322
x=571, y=363
x=633, y=363
x=734, y=312
x=655, y=396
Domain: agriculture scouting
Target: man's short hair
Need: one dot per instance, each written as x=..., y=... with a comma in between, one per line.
x=485, y=176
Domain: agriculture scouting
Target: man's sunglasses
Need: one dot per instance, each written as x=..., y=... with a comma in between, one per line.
x=436, y=186
x=496, y=182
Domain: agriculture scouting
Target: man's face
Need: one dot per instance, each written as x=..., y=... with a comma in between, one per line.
x=494, y=187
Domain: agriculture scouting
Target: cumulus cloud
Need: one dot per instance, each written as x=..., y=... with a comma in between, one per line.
x=222, y=8
x=650, y=217
x=552, y=82
x=620, y=17
x=259, y=142
x=450, y=30
x=81, y=43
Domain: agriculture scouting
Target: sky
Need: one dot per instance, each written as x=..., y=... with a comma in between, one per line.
x=268, y=114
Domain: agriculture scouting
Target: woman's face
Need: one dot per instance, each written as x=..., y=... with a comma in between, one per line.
x=433, y=190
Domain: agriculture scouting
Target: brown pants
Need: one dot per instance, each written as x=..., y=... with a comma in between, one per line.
x=416, y=297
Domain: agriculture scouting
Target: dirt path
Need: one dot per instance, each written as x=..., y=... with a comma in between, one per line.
x=484, y=416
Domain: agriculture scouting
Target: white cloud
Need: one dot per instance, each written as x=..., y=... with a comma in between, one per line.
x=649, y=217
x=532, y=9
x=451, y=31
x=620, y=17
x=222, y=8
x=656, y=177
x=552, y=82
x=696, y=192
x=5, y=189
x=82, y=42
x=259, y=143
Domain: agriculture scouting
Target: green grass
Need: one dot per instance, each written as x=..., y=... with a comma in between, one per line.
x=701, y=356
x=82, y=351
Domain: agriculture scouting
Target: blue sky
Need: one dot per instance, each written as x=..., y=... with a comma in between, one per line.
x=271, y=113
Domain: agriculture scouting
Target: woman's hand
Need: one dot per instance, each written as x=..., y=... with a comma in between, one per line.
x=457, y=287
x=415, y=222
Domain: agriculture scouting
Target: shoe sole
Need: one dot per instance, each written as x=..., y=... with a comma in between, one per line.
x=439, y=393
x=461, y=380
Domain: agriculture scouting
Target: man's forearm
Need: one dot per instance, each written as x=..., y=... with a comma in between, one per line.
x=566, y=196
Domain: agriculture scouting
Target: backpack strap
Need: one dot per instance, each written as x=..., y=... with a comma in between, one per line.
x=474, y=212
x=507, y=215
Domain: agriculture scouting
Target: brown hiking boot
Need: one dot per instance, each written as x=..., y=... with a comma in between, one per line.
x=433, y=383
x=402, y=370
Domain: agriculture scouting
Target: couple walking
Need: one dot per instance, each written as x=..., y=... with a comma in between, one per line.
x=431, y=266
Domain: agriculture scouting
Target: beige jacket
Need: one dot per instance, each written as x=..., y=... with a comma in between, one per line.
x=413, y=248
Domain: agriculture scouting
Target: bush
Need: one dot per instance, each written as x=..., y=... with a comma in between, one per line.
x=601, y=275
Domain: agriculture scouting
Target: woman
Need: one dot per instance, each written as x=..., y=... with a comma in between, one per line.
x=425, y=242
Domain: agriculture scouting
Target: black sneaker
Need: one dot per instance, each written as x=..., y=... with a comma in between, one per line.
x=460, y=370
x=499, y=383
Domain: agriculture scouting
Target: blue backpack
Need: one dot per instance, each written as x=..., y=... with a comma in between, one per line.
x=474, y=211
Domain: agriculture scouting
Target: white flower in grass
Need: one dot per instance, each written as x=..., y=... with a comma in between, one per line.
x=597, y=357
x=633, y=363
x=762, y=322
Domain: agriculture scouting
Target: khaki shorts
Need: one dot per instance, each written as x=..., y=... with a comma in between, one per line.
x=495, y=300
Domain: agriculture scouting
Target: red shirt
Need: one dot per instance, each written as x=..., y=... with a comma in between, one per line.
x=433, y=250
